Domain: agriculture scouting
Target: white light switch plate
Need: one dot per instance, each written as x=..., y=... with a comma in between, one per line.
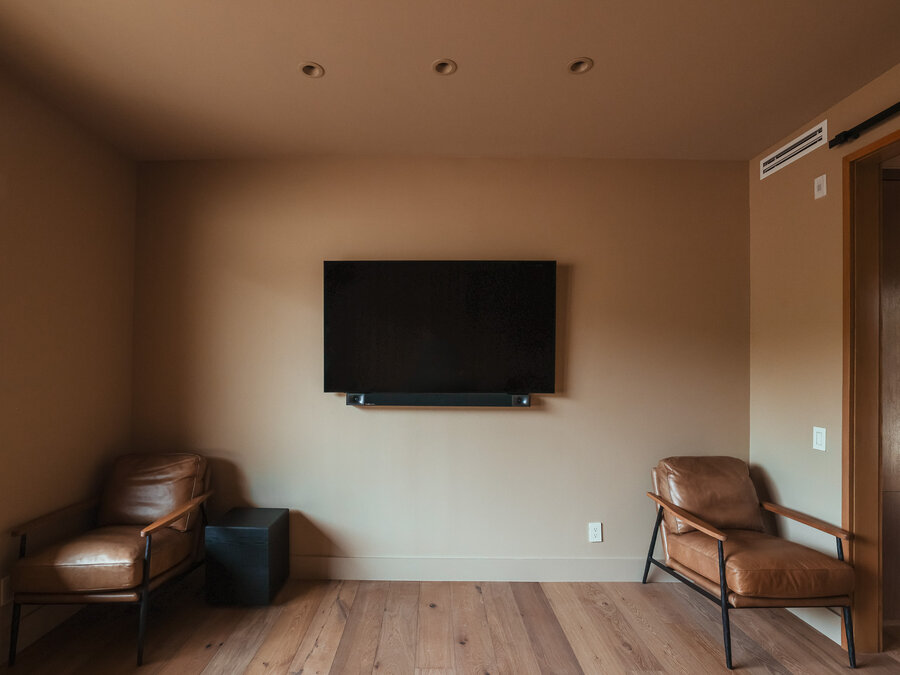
x=819, y=438
x=820, y=187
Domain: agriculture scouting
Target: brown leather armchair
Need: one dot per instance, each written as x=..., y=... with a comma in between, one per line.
x=714, y=540
x=147, y=531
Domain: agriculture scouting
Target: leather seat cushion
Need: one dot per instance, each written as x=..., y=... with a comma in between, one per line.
x=716, y=489
x=145, y=487
x=105, y=559
x=741, y=601
x=760, y=565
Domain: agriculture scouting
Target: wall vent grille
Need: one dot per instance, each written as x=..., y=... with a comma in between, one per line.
x=794, y=150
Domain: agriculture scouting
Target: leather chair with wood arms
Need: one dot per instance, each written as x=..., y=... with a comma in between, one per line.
x=148, y=530
x=714, y=540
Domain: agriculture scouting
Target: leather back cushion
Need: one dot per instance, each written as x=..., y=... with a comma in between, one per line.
x=143, y=487
x=717, y=489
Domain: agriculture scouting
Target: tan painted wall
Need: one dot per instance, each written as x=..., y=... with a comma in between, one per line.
x=796, y=314
x=66, y=301
x=653, y=350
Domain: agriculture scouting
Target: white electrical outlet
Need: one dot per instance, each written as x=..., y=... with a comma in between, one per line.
x=5, y=592
x=819, y=438
x=595, y=532
x=820, y=187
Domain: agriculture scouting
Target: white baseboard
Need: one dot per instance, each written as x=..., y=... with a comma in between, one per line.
x=469, y=569
x=823, y=619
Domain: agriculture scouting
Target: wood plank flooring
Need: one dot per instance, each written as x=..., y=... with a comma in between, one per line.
x=438, y=628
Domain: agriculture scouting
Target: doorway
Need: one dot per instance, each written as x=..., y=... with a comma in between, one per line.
x=890, y=398
x=871, y=420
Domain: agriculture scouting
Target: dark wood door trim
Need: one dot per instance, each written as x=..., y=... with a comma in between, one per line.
x=861, y=456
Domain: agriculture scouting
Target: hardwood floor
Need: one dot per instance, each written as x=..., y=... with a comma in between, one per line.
x=438, y=628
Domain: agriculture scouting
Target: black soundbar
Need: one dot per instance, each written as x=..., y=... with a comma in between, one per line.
x=480, y=400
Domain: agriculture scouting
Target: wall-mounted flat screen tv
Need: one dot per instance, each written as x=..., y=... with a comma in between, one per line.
x=440, y=326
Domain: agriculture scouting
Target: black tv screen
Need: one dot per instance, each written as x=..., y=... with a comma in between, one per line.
x=440, y=326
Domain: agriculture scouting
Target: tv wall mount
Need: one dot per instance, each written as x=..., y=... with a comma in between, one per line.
x=443, y=400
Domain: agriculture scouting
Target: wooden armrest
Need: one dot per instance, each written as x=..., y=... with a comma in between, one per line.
x=170, y=518
x=40, y=521
x=821, y=525
x=690, y=518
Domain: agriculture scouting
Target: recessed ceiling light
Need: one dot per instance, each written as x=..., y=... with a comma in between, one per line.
x=444, y=66
x=312, y=69
x=580, y=65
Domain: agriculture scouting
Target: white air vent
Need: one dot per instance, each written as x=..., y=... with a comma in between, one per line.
x=794, y=150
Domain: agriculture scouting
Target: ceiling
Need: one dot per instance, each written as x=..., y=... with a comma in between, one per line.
x=694, y=79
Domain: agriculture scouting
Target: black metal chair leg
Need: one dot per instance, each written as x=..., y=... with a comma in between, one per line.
x=848, y=628
x=14, y=632
x=659, y=517
x=723, y=600
x=145, y=602
x=726, y=629
x=142, y=626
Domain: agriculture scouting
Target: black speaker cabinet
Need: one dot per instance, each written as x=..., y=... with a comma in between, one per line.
x=247, y=556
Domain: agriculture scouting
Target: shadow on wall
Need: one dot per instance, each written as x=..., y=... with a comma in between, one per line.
x=229, y=485
x=763, y=484
x=308, y=539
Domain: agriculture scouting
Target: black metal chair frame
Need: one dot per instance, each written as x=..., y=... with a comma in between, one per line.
x=722, y=600
x=143, y=594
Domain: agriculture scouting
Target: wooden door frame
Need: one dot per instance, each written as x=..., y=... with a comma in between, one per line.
x=861, y=443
